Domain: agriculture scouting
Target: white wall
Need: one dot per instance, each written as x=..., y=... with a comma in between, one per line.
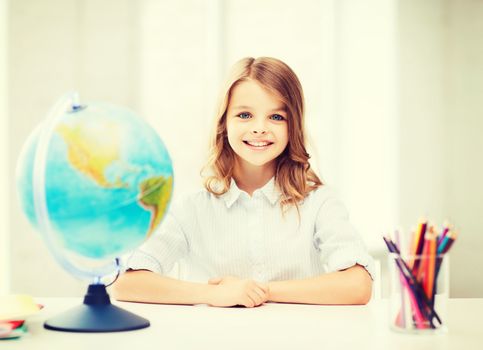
x=421, y=108
x=58, y=46
x=175, y=80
x=441, y=126
x=4, y=199
x=463, y=142
x=374, y=75
x=366, y=128
x=421, y=62
x=166, y=60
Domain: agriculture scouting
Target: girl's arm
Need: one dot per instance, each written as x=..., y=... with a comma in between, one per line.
x=350, y=286
x=146, y=286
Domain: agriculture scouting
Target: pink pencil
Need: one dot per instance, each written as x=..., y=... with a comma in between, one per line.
x=418, y=317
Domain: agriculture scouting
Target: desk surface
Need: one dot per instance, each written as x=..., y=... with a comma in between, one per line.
x=270, y=326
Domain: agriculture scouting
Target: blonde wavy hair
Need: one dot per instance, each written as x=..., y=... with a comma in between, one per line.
x=294, y=177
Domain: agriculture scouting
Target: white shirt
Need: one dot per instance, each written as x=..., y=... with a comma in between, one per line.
x=248, y=237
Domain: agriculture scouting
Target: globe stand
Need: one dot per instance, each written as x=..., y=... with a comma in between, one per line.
x=97, y=314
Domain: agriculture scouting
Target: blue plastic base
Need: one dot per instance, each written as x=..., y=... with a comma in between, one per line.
x=97, y=314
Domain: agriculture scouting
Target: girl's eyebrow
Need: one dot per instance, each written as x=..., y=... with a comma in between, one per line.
x=278, y=109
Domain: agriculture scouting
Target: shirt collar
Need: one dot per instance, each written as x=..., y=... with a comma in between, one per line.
x=269, y=190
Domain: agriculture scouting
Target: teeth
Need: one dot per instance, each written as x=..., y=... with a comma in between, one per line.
x=258, y=144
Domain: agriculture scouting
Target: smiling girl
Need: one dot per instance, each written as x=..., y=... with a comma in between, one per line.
x=265, y=228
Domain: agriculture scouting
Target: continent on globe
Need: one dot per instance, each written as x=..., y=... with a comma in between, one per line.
x=155, y=193
x=91, y=149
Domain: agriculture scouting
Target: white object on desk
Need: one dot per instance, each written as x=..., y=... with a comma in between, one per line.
x=271, y=326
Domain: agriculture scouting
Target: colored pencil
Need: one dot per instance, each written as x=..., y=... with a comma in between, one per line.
x=431, y=265
x=419, y=275
x=446, y=228
x=418, y=244
x=415, y=287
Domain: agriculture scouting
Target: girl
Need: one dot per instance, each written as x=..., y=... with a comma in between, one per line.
x=265, y=228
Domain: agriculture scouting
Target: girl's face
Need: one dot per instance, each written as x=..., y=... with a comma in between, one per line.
x=256, y=123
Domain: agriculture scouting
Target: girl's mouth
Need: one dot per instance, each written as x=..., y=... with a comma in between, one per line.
x=258, y=145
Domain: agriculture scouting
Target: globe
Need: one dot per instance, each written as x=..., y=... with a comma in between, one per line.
x=96, y=180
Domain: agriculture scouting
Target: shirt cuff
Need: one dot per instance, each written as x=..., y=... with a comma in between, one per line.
x=343, y=259
x=140, y=260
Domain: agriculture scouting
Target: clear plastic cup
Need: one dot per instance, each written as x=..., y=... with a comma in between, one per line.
x=419, y=292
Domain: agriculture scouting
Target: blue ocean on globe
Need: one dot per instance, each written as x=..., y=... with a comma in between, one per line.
x=108, y=180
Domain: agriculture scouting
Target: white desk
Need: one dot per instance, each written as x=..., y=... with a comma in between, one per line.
x=271, y=326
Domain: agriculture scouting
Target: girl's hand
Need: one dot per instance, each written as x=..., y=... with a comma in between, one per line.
x=232, y=291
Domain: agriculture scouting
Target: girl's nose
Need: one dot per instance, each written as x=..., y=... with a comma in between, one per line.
x=259, y=128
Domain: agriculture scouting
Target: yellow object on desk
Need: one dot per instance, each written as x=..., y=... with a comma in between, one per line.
x=17, y=307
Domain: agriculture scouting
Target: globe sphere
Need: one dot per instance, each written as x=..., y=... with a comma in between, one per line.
x=107, y=180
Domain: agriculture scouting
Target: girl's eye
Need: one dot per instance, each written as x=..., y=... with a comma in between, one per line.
x=277, y=117
x=244, y=115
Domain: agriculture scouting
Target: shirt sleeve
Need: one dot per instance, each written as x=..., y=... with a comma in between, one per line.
x=162, y=250
x=339, y=244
